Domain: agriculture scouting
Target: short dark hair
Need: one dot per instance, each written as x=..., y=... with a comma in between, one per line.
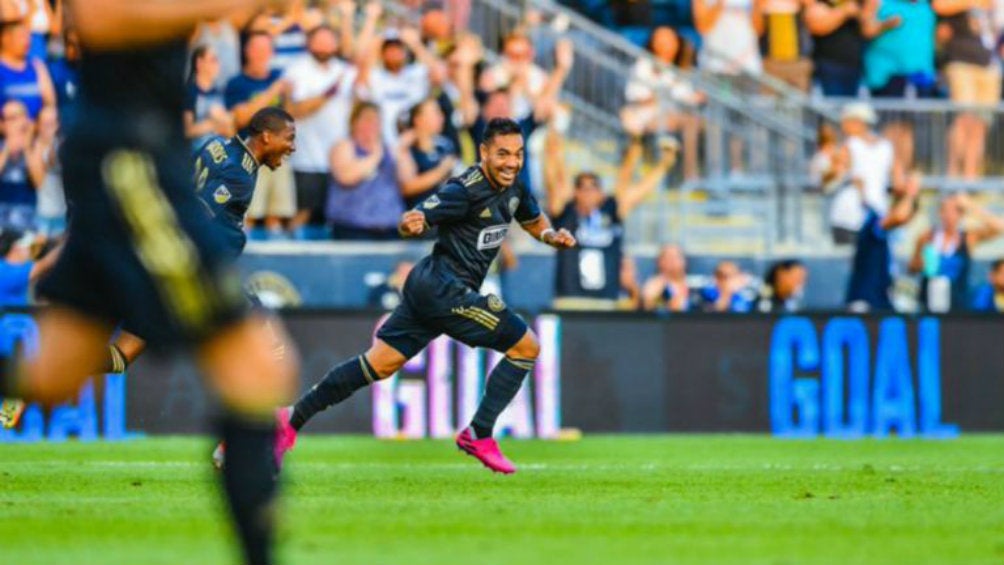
x=500, y=126
x=584, y=176
x=996, y=265
x=780, y=267
x=9, y=238
x=271, y=119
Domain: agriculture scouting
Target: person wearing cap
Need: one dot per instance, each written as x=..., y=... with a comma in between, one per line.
x=870, y=160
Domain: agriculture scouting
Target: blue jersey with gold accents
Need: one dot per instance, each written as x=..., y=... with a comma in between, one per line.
x=225, y=177
x=473, y=217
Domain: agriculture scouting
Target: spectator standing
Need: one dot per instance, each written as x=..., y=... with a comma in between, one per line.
x=22, y=78
x=323, y=89
x=19, y=170
x=517, y=73
x=943, y=254
x=837, y=45
x=364, y=199
x=221, y=35
x=728, y=293
x=288, y=29
x=667, y=290
x=65, y=74
x=783, y=287
x=259, y=86
x=425, y=157
x=730, y=31
x=205, y=114
x=51, y=209
x=588, y=277
x=974, y=79
x=397, y=85
x=901, y=47
x=784, y=43
x=989, y=297
x=655, y=89
x=869, y=159
x=870, y=284
x=457, y=98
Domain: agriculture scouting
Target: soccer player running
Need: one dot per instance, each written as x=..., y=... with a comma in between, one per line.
x=473, y=213
x=141, y=247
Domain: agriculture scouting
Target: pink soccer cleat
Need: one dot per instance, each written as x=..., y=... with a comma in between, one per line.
x=285, y=439
x=485, y=450
x=285, y=435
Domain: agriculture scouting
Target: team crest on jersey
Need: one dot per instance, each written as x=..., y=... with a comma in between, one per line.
x=495, y=303
x=513, y=204
x=222, y=195
x=431, y=202
x=486, y=213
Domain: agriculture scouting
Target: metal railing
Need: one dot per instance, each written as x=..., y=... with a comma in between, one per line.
x=928, y=126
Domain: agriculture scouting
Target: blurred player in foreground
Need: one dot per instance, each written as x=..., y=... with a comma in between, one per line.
x=141, y=248
x=473, y=213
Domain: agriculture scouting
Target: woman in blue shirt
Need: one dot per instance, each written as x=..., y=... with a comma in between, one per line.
x=425, y=157
x=205, y=109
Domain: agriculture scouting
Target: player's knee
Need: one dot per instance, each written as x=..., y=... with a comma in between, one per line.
x=384, y=360
x=526, y=348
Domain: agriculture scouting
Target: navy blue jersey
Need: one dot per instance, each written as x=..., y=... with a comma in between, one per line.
x=592, y=268
x=225, y=177
x=871, y=275
x=473, y=219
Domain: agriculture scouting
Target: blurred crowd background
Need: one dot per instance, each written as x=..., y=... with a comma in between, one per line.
x=786, y=143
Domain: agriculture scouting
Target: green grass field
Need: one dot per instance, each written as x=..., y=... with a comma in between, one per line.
x=603, y=500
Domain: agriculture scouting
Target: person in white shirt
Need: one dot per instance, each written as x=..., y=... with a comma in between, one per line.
x=323, y=90
x=656, y=89
x=397, y=85
x=730, y=30
x=870, y=160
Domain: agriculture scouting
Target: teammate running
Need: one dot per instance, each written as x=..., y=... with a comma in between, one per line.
x=141, y=247
x=473, y=213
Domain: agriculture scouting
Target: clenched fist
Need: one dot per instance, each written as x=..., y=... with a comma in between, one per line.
x=412, y=224
x=561, y=239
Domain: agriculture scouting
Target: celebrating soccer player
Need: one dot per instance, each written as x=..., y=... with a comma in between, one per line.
x=473, y=213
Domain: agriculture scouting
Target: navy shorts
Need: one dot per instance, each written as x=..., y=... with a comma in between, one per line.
x=141, y=247
x=435, y=302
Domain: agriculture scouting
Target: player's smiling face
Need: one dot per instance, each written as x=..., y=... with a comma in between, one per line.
x=502, y=158
x=279, y=146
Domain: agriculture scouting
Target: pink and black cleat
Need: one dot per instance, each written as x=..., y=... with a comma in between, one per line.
x=485, y=450
x=285, y=435
x=285, y=439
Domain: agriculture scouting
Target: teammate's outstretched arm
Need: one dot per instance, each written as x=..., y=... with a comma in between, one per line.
x=107, y=24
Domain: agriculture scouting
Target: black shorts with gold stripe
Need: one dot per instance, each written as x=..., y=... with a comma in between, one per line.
x=141, y=247
x=435, y=302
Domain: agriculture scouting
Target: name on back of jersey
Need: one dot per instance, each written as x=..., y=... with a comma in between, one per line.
x=492, y=237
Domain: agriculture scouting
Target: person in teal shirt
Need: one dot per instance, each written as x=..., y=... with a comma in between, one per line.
x=901, y=50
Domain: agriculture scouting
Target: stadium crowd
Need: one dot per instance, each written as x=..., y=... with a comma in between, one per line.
x=389, y=106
